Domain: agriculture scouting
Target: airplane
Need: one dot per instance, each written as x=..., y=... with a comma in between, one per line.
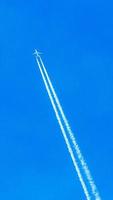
x=37, y=53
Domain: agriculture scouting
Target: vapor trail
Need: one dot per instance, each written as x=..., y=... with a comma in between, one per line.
x=72, y=137
x=64, y=134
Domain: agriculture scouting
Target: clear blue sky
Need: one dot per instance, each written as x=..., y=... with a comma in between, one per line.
x=76, y=38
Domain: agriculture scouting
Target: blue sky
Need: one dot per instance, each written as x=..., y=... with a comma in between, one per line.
x=76, y=39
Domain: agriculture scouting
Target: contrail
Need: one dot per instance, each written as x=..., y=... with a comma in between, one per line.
x=80, y=156
x=64, y=134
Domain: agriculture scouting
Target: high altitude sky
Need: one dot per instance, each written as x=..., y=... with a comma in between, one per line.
x=76, y=38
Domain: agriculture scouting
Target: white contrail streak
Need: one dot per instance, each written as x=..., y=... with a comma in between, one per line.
x=64, y=135
x=80, y=156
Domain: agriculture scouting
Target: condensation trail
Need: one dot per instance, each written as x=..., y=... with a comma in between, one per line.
x=72, y=137
x=64, y=134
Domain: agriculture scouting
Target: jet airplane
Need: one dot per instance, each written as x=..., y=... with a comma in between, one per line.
x=37, y=53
